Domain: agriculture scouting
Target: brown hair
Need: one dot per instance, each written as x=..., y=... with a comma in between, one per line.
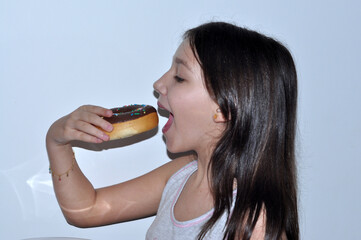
x=253, y=79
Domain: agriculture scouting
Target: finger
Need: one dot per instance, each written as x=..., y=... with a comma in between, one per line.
x=91, y=130
x=96, y=120
x=81, y=134
x=87, y=138
x=100, y=111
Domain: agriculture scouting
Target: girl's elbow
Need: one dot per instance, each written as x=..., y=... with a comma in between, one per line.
x=77, y=221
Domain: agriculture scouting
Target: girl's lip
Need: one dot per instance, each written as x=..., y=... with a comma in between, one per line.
x=161, y=106
x=170, y=118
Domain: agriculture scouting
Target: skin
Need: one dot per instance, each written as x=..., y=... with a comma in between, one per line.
x=181, y=92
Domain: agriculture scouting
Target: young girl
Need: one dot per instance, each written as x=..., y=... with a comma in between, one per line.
x=231, y=94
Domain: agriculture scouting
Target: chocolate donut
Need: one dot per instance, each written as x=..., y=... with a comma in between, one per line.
x=130, y=120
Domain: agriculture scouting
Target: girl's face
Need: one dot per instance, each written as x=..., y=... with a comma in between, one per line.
x=182, y=92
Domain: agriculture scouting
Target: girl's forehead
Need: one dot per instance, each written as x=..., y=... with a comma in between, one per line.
x=184, y=55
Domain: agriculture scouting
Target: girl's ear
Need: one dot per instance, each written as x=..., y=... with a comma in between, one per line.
x=218, y=117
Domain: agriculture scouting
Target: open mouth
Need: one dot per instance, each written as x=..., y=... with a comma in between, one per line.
x=168, y=124
x=170, y=118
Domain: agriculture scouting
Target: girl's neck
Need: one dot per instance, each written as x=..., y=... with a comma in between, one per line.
x=202, y=176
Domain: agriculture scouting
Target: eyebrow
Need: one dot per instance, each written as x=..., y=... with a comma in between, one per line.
x=181, y=61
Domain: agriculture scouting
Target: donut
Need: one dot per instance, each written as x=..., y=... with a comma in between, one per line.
x=132, y=119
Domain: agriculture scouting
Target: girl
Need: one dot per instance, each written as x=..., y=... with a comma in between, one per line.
x=231, y=94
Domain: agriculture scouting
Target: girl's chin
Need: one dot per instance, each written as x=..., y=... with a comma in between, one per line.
x=175, y=151
x=171, y=147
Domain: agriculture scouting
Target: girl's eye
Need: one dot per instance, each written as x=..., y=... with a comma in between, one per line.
x=178, y=79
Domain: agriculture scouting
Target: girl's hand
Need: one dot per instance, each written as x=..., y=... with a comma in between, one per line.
x=83, y=124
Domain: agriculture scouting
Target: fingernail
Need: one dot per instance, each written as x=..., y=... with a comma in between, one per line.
x=106, y=137
x=109, y=128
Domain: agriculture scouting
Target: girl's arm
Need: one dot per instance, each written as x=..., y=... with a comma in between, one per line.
x=81, y=204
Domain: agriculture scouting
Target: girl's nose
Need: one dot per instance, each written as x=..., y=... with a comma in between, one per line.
x=159, y=86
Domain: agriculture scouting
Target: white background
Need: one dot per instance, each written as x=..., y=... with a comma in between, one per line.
x=58, y=55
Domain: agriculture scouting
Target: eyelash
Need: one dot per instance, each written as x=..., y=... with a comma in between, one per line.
x=178, y=79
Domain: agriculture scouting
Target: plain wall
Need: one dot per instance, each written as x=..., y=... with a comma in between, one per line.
x=58, y=55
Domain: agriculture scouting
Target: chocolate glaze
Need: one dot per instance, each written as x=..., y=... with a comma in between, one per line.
x=129, y=112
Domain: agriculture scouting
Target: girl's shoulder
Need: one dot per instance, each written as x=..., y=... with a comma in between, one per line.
x=178, y=166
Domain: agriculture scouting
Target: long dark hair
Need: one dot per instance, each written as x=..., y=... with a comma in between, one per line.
x=253, y=79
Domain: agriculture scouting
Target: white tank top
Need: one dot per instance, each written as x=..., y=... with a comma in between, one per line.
x=166, y=227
